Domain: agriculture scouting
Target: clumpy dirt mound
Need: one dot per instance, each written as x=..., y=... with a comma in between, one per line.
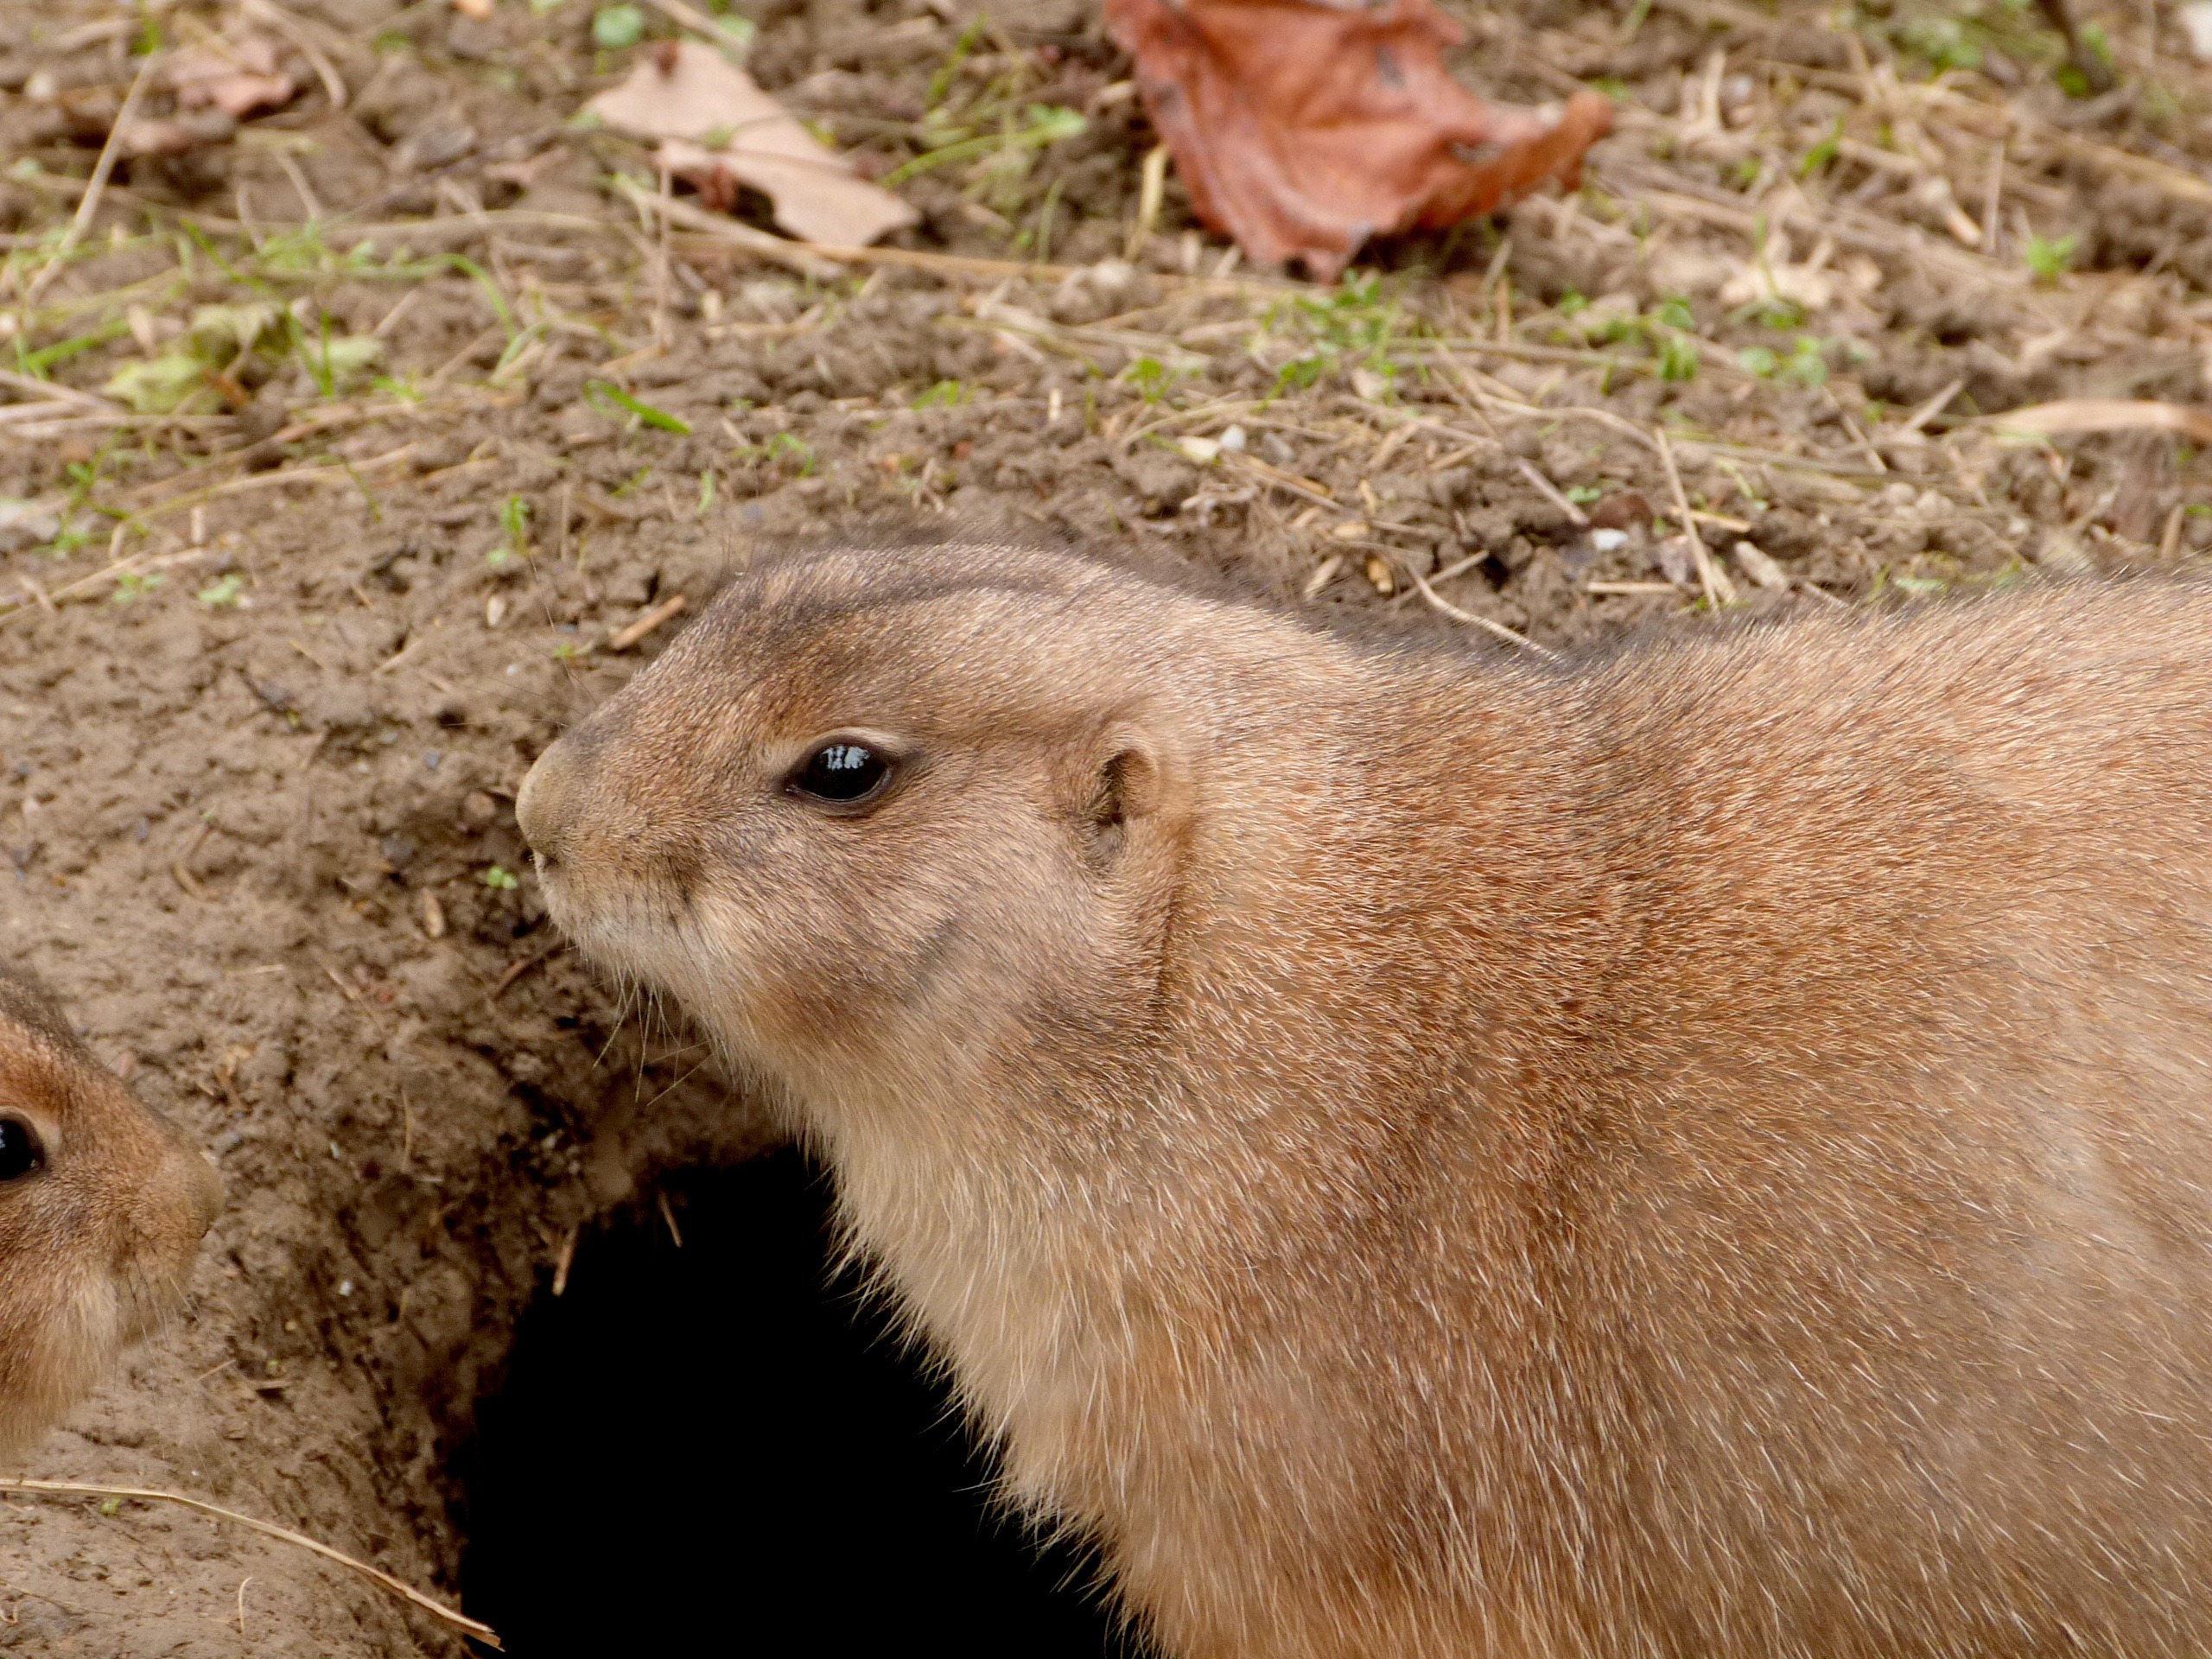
x=352, y=451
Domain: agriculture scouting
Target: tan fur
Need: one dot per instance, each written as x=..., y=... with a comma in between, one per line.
x=95, y=1246
x=1705, y=1153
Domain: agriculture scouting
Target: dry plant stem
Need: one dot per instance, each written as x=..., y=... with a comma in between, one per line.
x=1718, y=590
x=663, y=612
x=482, y=1632
x=1551, y=492
x=664, y=261
x=53, y=390
x=1928, y=410
x=1445, y=607
x=292, y=28
x=1151, y=185
x=89, y=204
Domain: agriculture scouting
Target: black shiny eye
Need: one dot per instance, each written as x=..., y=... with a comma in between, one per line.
x=20, y=1152
x=842, y=773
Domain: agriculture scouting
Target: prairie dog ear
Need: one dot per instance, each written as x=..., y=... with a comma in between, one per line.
x=1133, y=771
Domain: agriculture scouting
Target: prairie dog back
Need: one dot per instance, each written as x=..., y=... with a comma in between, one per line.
x=1705, y=1152
x=102, y=1208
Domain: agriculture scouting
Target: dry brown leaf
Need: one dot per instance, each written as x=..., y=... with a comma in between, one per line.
x=1302, y=128
x=237, y=77
x=719, y=132
x=2107, y=415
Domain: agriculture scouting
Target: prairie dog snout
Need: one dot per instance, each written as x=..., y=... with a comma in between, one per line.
x=1700, y=1152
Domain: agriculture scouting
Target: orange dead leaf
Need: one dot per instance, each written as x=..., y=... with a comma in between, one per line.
x=1302, y=128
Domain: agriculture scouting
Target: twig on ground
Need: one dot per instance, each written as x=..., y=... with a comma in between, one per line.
x=663, y=612
x=89, y=204
x=481, y=1631
x=1928, y=410
x=1718, y=590
x=1550, y=491
x=1444, y=606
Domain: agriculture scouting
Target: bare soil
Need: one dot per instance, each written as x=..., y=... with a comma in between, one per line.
x=271, y=672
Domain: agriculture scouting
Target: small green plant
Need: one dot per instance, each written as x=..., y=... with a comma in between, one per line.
x=786, y=448
x=1572, y=303
x=1583, y=494
x=1007, y=152
x=1807, y=364
x=514, y=523
x=613, y=27
x=499, y=879
x=223, y=590
x=1823, y=152
x=1941, y=41
x=949, y=71
x=602, y=393
x=944, y=394
x=2051, y=258
x=333, y=361
x=1153, y=379
x=1678, y=358
x=133, y=584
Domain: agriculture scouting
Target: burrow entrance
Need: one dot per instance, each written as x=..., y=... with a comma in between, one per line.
x=719, y=1446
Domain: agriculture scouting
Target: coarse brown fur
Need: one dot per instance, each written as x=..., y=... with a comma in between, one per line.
x=1708, y=1152
x=97, y=1242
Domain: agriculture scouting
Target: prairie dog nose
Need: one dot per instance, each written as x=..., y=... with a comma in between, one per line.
x=541, y=804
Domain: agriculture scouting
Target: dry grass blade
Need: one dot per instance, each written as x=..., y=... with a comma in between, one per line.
x=2105, y=415
x=481, y=1631
x=89, y=204
x=1718, y=590
x=50, y=390
x=663, y=612
x=1444, y=606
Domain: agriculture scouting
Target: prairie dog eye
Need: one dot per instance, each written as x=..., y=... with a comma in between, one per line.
x=21, y=1154
x=843, y=772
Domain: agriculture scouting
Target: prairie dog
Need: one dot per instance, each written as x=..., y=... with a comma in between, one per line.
x=1707, y=1152
x=102, y=1208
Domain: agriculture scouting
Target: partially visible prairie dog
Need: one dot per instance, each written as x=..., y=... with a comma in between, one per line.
x=102, y=1208
x=1705, y=1153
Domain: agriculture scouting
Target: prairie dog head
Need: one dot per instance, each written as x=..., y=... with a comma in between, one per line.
x=102, y=1208
x=883, y=814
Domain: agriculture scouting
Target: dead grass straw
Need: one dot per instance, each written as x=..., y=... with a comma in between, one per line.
x=471, y=1627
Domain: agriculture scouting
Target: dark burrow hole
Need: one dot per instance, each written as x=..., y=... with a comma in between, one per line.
x=720, y=1448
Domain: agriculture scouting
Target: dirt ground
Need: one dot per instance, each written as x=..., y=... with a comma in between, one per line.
x=273, y=663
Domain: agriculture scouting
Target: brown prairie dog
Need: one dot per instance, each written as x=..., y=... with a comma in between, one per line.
x=1705, y=1152
x=102, y=1208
